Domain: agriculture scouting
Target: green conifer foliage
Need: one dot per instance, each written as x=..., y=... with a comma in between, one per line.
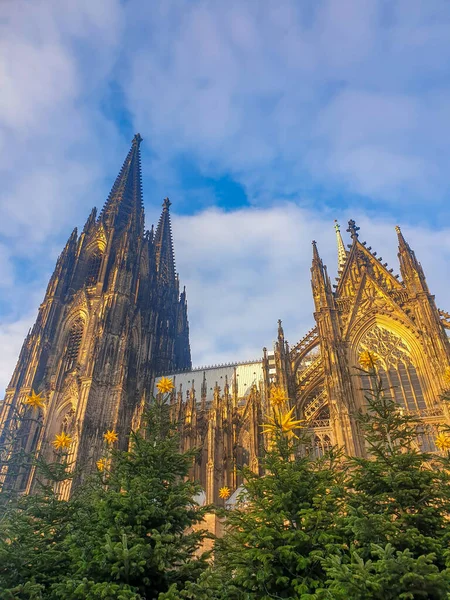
x=32, y=531
x=395, y=517
x=282, y=527
x=137, y=534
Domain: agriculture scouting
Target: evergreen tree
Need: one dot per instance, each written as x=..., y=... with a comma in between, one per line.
x=395, y=515
x=32, y=531
x=138, y=533
x=281, y=528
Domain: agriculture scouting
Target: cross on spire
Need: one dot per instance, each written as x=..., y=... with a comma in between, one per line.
x=353, y=229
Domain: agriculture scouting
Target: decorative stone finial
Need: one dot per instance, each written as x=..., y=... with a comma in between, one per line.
x=397, y=229
x=166, y=204
x=353, y=229
x=137, y=139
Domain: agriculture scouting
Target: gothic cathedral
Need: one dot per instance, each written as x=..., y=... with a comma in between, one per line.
x=113, y=320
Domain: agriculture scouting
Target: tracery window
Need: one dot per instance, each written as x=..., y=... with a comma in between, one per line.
x=74, y=342
x=321, y=444
x=398, y=374
x=93, y=268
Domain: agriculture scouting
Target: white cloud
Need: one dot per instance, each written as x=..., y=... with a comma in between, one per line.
x=293, y=100
x=341, y=92
x=245, y=269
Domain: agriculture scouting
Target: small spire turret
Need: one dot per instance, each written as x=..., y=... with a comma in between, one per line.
x=410, y=268
x=342, y=254
x=321, y=284
x=90, y=220
x=165, y=260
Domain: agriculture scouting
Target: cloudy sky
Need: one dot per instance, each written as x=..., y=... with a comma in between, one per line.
x=262, y=121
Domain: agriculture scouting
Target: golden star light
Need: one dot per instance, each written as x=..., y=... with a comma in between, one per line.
x=101, y=464
x=368, y=360
x=110, y=436
x=283, y=423
x=278, y=397
x=165, y=385
x=224, y=493
x=447, y=375
x=35, y=400
x=442, y=441
x=62, y=440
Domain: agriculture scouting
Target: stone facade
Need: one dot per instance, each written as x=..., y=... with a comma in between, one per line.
x=111, y=318
x=368, y=309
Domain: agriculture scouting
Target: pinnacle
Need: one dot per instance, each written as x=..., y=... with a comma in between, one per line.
x=125, y=198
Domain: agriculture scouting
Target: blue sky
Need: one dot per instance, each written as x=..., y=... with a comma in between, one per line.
x=262, y=121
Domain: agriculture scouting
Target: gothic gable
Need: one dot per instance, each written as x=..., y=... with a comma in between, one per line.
x=79, y=305
x=360, y=260
x=97, y=238
x=370, y=299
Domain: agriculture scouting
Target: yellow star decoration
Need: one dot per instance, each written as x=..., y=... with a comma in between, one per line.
x=284, y=423
x=368, y=360
x=35, y=400
x=442, y=442
x=165, y=385
x=62, y=440
x=447, y=376
x=224, y=493
x=101, y=464
x=110, y=436
x=278, y=397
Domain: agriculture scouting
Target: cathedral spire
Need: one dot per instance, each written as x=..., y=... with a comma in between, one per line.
x=165, y=260
x=125, y=199
x=410, y=268
x=342, y=254
x=320, y=281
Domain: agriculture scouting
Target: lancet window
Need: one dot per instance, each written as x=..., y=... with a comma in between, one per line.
x=395, y=367
x=74, y=342
x=93, y=267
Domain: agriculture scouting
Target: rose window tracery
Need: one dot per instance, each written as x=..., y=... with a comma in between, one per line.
x=395, y=367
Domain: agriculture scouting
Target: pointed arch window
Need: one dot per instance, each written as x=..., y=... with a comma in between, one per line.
x=94, y=264
x=398, y=374
x=73, y=343
x=321, y=445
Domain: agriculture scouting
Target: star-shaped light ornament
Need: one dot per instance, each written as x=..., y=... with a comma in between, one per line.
x=110, y=436
x=442, y=441
x=62, y=440
x=368, y=360
x=224, y=493
x=447, y=376
x=35, y=400
x=278, y=397
x=283, y=423
x=165, y=385
x=101, y=464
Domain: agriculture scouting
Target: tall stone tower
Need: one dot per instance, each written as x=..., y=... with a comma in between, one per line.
x=111, y=318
